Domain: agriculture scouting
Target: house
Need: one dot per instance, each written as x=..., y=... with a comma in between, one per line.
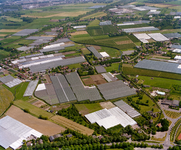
x=151, y=113
x=126, y=135
x=52, y=138
x=159, y=125
x=69, y=135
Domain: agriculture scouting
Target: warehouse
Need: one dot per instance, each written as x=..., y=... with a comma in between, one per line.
x=81, y=92
x=55, y=63
x=31, y=87
x=13, y=132
x=104, y=23
x=158, y=37
x=127, y=109
x=46, y=92
x=115, y=89
x=110, y=117
x=79, y=27
x=10, y=81
x=143, y=37
x=172, y=35
x=62, y=88
x=100, y=69
x=95, y=52
x=159, y=66
x=25, y=32
x=141, y=29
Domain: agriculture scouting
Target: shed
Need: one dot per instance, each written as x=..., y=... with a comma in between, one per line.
x=69, y=135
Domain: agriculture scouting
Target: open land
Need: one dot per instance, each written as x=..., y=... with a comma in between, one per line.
x=44, y=126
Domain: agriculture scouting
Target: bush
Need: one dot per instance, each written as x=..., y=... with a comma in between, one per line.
x=43, y=117
x=26, y=110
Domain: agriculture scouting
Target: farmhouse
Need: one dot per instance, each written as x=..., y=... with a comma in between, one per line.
x=174, y=103
x=13, y=132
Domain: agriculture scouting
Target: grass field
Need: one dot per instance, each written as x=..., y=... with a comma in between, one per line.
x=95, y=15
x=88, y=108
x=129, y=70
x=109, y=29
x=45, y=127
x=94, y=23
x=71, y=125
x=4, y=54
x=172, y=114
x=6, y=97
x=19, y=90
x=10, y=39
x=114, y=66
x=159, y=82
x=111, y=51
x=33, y=109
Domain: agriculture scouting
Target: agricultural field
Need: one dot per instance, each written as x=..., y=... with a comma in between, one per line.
x=71, y=125
x=95, y=15
x=4, y=54
x=129, y=70
x=33, y=109
x=88, y=108
x=44, y=126
x=94, y=23
x=172, y=114
x=6, y=97
x=104, y=40
x=158, y=82
x=10, y=39
x=111, y=51
x=93, y=80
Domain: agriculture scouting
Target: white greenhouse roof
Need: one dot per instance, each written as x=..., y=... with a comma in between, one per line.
x=41, y=87
x=53, y=45
x=158, y=37
x=110, y=118
x=31, y=87
x=79, y=27
x=177, y=57
x=104, y=54
x=13, y=132
x=143, y=37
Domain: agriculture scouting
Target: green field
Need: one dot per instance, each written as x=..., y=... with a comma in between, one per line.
x=94, y=23
x=6, y=97
x=88, y=108
x=109, y=29
x=10, y=39
x=4, y=54
x=114, y=66
x=74, y=66
x=172, y=133
x=33, y=109
x=19, y=90
x=111, y=51
x=12, y=71
x=129, y=70
x=95, y=15
x=158, y=82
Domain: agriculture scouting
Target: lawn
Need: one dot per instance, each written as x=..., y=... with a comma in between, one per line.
x=129, y=70
x=111, y=51
x=114, y=66
x=74, y=66
x=6, y=97
x=33, y=109
x=172, y=114
x=159, y=82
x=88, y=108
x=10, y=39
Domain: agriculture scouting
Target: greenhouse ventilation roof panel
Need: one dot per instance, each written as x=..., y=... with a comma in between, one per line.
x=13, y=132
